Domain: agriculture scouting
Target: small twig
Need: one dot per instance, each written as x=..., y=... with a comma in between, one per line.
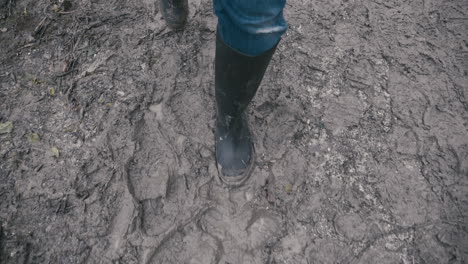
x=64, y=74
x=186, y=182
x=40, y=28
x=64, y=12
x=70, y=89
x=10, y=3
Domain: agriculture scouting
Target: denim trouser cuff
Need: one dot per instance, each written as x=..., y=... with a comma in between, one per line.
x=250, y=27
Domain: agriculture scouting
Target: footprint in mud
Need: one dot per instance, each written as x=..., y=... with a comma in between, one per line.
x=264, y=226
x=202, y=249
x=242, y=235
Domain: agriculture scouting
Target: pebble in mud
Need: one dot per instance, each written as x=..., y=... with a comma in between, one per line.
x=205, y=152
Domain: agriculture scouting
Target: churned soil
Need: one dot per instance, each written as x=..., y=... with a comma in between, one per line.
x=107, y=143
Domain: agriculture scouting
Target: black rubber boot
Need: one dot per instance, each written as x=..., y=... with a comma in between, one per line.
x=175, y=12
x=237, y=78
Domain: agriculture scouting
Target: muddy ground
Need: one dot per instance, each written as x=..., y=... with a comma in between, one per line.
x=106, y=136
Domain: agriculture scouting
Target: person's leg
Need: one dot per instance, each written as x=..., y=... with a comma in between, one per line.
x=248, y=32
x=174, y=12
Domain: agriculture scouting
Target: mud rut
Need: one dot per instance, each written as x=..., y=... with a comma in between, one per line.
x=360, y=128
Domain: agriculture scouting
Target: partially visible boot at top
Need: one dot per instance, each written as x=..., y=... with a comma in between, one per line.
x=174, y=12
x=237, y=78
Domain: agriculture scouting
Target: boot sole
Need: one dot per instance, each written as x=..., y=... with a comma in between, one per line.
x=237, y=181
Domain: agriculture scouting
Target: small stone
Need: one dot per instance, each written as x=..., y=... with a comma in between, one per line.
x=205, y=153
x=3, y=30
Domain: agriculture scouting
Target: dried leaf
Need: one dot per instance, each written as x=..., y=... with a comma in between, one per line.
x=33, y=137
x=56, y=8
x=36, y=81
x=55, y=152
x=6, y=127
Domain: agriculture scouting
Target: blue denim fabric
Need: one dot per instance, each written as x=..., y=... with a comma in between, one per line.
x=250, y=26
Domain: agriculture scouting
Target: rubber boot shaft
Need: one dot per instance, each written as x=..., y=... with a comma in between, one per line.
x=237, y=77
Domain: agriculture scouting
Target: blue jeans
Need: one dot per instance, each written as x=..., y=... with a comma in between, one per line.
x=250, y=27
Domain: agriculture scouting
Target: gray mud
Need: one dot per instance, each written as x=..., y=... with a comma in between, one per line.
x=361, y=131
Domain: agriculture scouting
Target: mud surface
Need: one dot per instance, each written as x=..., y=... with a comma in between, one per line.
x=361, y=131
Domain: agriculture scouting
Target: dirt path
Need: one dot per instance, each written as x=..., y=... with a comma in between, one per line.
x=361, y=129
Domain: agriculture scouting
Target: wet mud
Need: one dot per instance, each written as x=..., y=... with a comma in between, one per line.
x=107, y=148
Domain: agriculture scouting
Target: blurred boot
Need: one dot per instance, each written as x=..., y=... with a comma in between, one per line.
x=175, y=12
